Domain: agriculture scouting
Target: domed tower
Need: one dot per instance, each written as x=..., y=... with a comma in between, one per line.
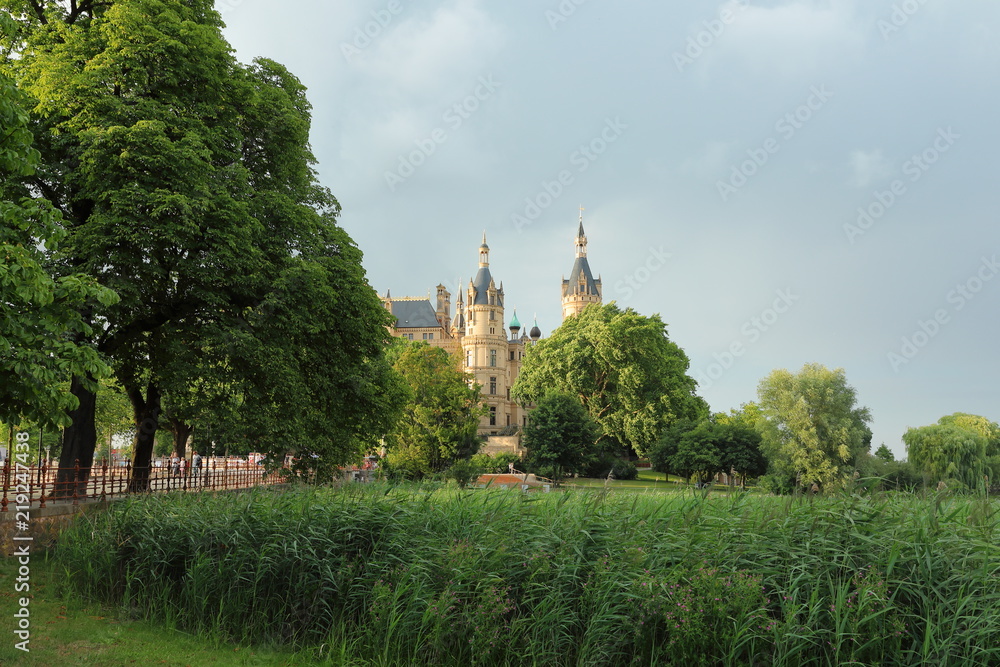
x=485, y=345
x=581, y=289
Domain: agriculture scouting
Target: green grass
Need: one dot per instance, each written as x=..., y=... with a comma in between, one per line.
x=387, y=575
x=68, y=631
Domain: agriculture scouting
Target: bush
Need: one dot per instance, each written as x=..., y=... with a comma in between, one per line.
x=496, y=464
x=608, y=463
x=463, y=471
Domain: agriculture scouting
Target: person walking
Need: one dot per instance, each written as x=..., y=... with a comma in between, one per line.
x=195, y=465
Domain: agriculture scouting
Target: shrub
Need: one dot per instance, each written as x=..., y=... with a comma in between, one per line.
x=497, y=463
x=463, y=471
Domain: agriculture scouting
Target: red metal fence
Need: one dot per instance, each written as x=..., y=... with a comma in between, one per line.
x=39, y=485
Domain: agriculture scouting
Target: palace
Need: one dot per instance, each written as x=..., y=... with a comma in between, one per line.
x=476, y=335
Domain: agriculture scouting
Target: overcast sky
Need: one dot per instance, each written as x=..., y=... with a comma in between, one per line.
x=784, y=182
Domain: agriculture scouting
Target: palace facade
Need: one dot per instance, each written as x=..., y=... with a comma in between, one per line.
x=488, y=350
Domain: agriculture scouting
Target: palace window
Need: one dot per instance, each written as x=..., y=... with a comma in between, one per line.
x=492, y=315
x=493, y=385
x=493, y=358
x=468, y=357
x=512, y=355
x=428, y=336
x=493, y=416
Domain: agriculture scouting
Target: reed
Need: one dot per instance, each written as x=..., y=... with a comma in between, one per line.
x=434, y=575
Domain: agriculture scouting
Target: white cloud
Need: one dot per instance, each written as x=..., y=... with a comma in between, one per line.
x=794, y=38
x=431, y=55
x=868, y=167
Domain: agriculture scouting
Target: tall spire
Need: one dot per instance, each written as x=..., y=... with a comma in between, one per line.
x=581, y=238
x=484, y=253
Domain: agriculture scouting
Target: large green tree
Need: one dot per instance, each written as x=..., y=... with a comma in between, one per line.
x=623, y=368
x=717, y=445
x=812, y=428
x=561, y=437
x=959, y=447
x=188, y=186
x=441, y=415
x=42, y=333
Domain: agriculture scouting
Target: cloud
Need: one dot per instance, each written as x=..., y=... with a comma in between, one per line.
x=423, y=55
x=794, y=38
x=868, y=167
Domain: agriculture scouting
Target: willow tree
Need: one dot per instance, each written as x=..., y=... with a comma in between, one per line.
x=188, y=187
x=958, y=448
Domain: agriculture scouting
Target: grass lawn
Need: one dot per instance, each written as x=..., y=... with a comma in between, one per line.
x=648, y=480
x=68, y=631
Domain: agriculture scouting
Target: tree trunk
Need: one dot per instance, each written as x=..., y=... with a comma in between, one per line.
x=147, y=419
x=79, y=443
x=181, y=433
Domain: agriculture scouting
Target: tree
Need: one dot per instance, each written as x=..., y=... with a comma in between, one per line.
x=560, y=436
x=661, y=454
x=623, y=368
x=188, y=186
x=42, y=334
x=959, y=447
x=441, y=416
x=740, y=451
x=884, y=453
x=812, y=428
x=698, y=453
x=708, y=448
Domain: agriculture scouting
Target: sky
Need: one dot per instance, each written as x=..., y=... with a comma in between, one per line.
x=783, y=182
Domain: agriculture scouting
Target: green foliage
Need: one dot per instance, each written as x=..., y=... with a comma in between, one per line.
x=441, y=416
x=624, y=369
x=812, y=428
x=41, y=326
x=876, y=473
x=686, y=613
x=464, y=471
x=718, y=445
x=610, y=464
x=959, y=448
x=188, y=186
x=496, y=463
x=561, y=438
x=884, y=453
x=412, y=575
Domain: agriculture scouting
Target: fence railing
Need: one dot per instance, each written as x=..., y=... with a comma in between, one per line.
x=36, y=485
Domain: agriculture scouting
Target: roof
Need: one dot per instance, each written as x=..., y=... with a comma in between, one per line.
x=481, y=283
x=414, y=314
x=588, y=284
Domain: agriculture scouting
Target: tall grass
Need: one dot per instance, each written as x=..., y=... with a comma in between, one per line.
x=412, y=575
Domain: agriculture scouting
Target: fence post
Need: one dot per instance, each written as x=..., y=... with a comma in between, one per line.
x=41, y=492
x=76, y=482
x=6, y=483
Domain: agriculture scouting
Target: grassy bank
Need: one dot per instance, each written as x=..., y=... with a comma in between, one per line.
x=68, y=631
x=379, y=575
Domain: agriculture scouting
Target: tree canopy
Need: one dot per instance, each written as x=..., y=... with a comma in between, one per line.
x=622, y=367
x=42, y=333
x=188, y=186
x=717, y=445
x=958, y=448
x=812, y=427
x=560, y=436
x=441, y=413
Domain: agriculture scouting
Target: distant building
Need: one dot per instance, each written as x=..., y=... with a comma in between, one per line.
x=490, y=352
